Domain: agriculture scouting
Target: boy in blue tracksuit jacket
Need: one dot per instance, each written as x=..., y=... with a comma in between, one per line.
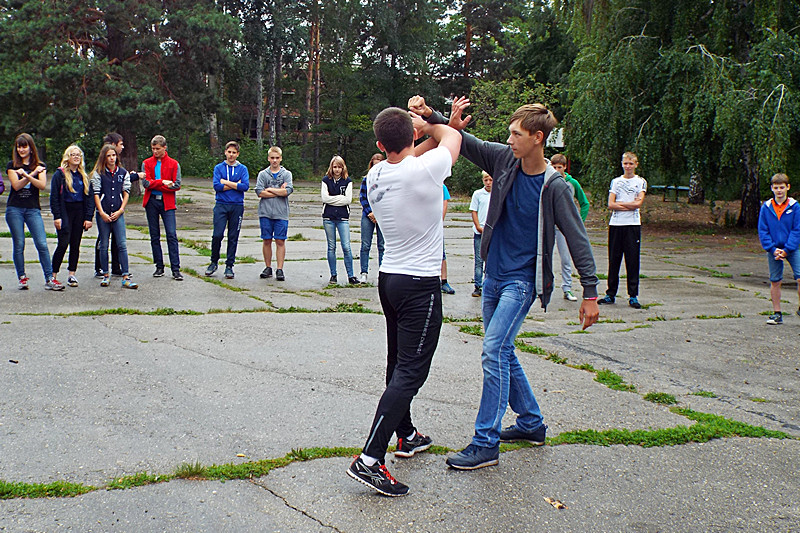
x=779, y=232
x=231, y=180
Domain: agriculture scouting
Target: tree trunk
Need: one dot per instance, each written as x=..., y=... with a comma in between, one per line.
x=317, y=89
x=305, y=123
x=130, y=156
x=260, y=106
x=696, y=193
x=273, y=91
x=751, y=196
x=278, y=101
x=213, y=127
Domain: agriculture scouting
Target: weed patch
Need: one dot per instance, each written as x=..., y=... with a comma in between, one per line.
x=57, y=489
x=660, y=397
x=297, y=237
x=472, y=330
x=613, y=381
x=535, y=334
x=704, y=394
x=719, y=317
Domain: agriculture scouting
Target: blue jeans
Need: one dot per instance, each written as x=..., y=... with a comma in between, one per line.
x=226, y=215
x=367, y=229
x=477, y=277
x=155, y=209
x=505, y=305
x=17, y=218
x=343, y=226
x=104, y=229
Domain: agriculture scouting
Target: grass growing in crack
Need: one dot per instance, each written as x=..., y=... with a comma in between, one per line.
x=137, y=480
x=530, y=348
x=657, y=318
x=606, y=321
x=190, y=470
x=216, y=282
x=652, y=304
x=57, y=489
x=613, y=381
x=201, y=247
x=472, y=330
x=451, y=319
x=297, y=237
x=704, y=394
x=718, y=317
x=341, y=307
x=660, y=397
x=535, y=334
x=759, y=400
x=584, y=366
x=557, y=359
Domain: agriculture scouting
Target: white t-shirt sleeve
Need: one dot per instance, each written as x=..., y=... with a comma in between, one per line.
x=473, y=205
x=438, y=163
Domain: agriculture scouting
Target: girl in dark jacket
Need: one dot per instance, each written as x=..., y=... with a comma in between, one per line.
x=72, y=205
x=111, y=185
x=337, y=193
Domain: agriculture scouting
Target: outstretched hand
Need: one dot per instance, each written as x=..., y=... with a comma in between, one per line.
x=456, y=112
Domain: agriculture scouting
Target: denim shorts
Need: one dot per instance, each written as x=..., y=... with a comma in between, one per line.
x=273, y=228
x=776, y=267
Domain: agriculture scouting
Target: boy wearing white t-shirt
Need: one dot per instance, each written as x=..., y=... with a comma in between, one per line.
x=406, y=195
x=479, y=208
x=625, y=197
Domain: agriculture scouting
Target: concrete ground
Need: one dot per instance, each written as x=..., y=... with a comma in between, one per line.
x=260, y=368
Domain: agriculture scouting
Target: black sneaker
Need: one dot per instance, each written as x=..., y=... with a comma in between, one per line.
x=634, y=302
x=177, y=276
x=775, y=319
x=279, y=275
x=333, y=280
x=211, y=269
x=376, y=477
x=352, y=280
x=159, y=273
x=408, y=447
x=514, y=434
x=473, y=457
x=266, y=273
x=606, y=300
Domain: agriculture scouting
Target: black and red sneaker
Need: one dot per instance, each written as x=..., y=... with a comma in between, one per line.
x=408, y=447
x=376, y=477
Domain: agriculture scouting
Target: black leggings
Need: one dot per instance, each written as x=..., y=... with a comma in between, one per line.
x=624, y=240
x=413, y=309
x=69, y=237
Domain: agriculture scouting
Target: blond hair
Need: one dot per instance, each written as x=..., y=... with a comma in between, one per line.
x=275, y=150
x=630, y=155
x=81, y=169
x=336, y=159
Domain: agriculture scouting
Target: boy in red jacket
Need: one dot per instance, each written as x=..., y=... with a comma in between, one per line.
x=162, y=177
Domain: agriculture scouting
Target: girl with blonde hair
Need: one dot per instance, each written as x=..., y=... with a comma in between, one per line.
x=337, y=193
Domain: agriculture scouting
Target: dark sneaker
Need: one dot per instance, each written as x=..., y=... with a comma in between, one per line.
x=376, y=477
x=447, y=289
x=333, y=280
x=352, y=280
x=266, y=273
x=23, y=283
x=279, y=275
x=116, y=273
x=159, y=272
x=798, y=311
x=776, y=319
x=54, y=285
x=606, y=300
x=72, y=281
x=634, y=302
x=177, y=276
x=514, y=434
x=229, y=273
x=99, y=275
x=211, y=269
x=408, y=447
x=477, y=292
x=473, y=457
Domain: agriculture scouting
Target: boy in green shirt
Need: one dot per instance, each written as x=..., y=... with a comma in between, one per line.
x=559, y=163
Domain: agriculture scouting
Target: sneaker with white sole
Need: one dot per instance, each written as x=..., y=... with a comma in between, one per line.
x=473, y=457
x=364, y=277
x=376, y=477
x=775, y=319
x=23, y=283
x=53, y=285
x=408, y=447
x=72, y=281
x=569, y=296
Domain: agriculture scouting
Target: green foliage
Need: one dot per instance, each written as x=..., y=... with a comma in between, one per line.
x=57, y=489
x=137, y=480
x=613, y=381
x=472, y=330
x=660, y=397
x=704, y=393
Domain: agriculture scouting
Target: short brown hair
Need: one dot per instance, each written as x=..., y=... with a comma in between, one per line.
x=393, y=129
x=779, y=178
x=233, y=144
x=159, y=140
x=558, y=159
x=535, y=117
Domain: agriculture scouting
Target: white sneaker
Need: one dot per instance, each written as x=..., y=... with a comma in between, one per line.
x=569, y=296
x=363, y=277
